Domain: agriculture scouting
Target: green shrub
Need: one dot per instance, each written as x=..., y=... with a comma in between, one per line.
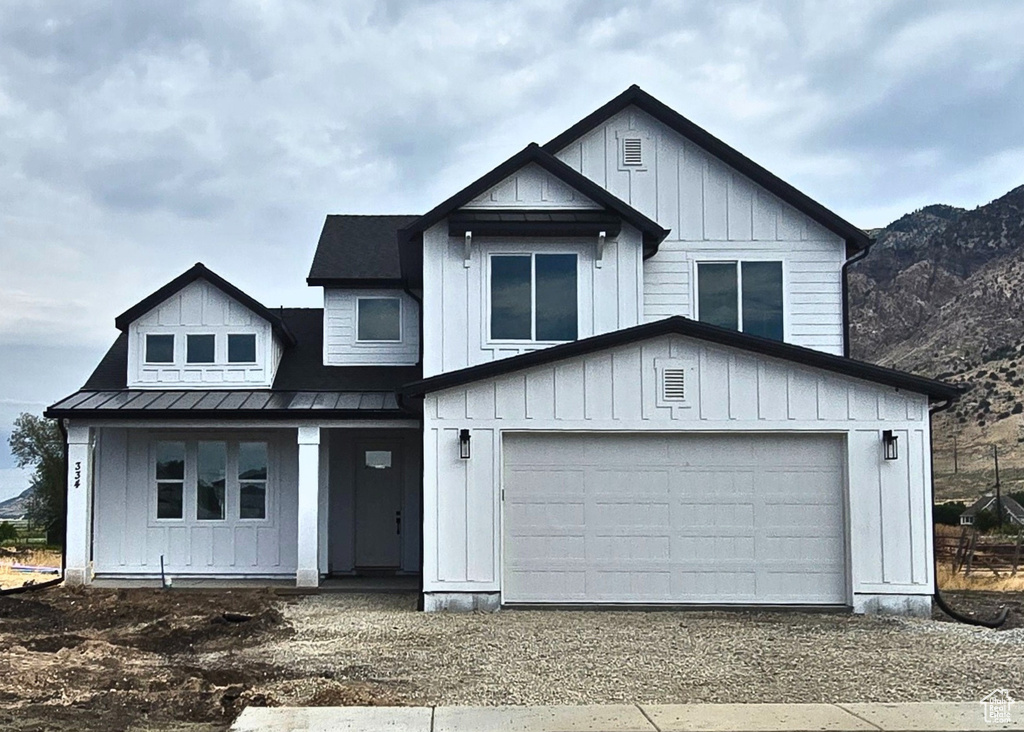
x=948, y=513
x=7, y=532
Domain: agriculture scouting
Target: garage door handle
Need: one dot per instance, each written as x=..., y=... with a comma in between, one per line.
x=398, y=522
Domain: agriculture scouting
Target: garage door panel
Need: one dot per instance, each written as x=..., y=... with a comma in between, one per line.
x=700, y=518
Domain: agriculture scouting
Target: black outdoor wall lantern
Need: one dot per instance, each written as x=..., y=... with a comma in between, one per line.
x=464, y=444
x=890, y=447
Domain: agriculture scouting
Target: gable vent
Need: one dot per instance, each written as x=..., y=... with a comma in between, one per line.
x=632, y=151
x=673, y=385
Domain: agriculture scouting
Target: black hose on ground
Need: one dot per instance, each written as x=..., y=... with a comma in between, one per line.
x=30, y=587
x=937, y=596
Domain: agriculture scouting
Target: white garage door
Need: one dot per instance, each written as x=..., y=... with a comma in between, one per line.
x=657, y=518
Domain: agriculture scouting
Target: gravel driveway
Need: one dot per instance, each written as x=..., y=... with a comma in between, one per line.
x=572, y=657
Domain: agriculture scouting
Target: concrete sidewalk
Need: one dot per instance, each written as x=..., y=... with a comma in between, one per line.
x=916, y=717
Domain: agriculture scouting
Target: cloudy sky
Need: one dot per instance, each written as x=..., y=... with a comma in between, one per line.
x=137, y=138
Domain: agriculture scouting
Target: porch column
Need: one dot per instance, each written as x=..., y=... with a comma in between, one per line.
x=307, y=573
x=77, y=569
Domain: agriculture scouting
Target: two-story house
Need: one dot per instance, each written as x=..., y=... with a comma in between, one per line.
x=612, y=370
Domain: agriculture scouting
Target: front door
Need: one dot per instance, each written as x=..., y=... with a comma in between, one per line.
x=378, y=504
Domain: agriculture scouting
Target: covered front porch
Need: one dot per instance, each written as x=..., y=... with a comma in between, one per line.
x=245, y=501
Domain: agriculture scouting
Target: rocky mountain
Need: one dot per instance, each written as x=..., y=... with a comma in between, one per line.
x=942, y=294
x=15, y=508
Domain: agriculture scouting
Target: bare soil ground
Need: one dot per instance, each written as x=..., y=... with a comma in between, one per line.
x=169, y=660
x=137, y=659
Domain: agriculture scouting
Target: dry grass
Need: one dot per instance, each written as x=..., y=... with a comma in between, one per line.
x=34, y=557
x=981, y=579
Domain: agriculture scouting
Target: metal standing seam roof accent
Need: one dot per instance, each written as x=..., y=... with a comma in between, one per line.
x=157, y=403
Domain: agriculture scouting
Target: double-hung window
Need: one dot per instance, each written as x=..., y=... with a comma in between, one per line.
x=533, y=297
x=744, y=296
x=211, y=480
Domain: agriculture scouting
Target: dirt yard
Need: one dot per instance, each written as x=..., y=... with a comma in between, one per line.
x=172, y=660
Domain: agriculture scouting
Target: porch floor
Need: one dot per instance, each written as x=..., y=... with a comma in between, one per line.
x=400, y=583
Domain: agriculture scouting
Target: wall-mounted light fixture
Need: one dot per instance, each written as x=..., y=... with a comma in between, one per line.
x=890, y=446
x=464, y=444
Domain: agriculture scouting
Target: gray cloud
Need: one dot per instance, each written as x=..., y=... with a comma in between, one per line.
x=138, y=138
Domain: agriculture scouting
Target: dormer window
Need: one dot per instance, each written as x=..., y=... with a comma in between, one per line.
x=379, y=319
x=241, y=348
x=744, y=296
x=200, y=348
x=159, y=348
x=534, y=297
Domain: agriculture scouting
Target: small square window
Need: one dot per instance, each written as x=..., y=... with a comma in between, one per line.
x=200, y=348
x=242, y=348
x=380, y=319
x=159, y=348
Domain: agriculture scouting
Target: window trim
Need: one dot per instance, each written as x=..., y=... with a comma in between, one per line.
x=232, y=507
x=401, y=320
x=255, y=350
x=145, y=349
x=738, y=261
x=532, y=254
x=211, y=362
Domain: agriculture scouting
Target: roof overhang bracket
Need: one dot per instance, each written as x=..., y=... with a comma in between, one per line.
x=466, y=249
x=601, y=238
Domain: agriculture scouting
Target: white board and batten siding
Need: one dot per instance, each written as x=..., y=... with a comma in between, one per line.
x=128, y=539
x=201, y=308
x=456, y=302
x=534, y=188
x=715, y=213
x=342, y=346
x=728, y=392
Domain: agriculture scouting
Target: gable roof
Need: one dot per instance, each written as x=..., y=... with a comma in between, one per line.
x=302, y=383
x=652, y=231
x=855, y=238
x=678, y=325
x=359, y=251
x=986, y=503
x=200, y=272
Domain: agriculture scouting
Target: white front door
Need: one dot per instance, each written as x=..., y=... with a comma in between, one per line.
x=379, y=520
x=674, y=518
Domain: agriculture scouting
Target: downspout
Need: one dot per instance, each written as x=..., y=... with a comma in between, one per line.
x=937, y=596
x=67, y=472
x=421, y=602
x=846, y=295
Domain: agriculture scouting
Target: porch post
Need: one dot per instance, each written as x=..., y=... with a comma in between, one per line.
x=307, y=573
x=77, y=568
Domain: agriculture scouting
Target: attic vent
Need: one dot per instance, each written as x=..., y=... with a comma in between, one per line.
x=673, y=385
x=632, y=151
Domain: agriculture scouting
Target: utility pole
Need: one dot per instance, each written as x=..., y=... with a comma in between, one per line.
x=999, y=497
x=956, y=467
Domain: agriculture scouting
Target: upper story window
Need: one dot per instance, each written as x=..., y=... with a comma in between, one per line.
x=744, y=296
x=159, y=348
x=379, y=319
x=534, y=297
x=241, y=348
x=200, y=348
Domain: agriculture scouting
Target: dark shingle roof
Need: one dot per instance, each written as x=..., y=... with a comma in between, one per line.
x=987, y=503
x=358, y=251
x=302, y=382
